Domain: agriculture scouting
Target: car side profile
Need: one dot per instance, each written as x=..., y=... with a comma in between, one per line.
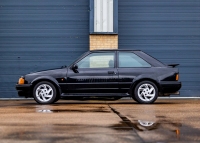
x=103, y=74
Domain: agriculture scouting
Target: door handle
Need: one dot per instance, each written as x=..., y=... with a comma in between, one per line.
x=111, y=72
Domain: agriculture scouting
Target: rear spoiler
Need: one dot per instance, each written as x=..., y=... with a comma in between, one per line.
x=173, y=65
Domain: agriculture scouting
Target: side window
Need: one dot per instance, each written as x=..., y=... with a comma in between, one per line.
x=97, y=60
x=128, y=60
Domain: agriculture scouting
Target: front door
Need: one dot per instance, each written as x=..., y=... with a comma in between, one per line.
x=96, y=73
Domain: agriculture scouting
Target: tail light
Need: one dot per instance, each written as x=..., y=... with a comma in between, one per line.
x=177, y=77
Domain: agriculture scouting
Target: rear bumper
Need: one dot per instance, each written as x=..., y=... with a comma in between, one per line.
x=24, y=90
x=170, y=86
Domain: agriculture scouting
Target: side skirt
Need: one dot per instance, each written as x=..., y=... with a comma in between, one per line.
x=95, y=95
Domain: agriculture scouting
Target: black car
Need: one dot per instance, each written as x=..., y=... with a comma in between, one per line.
x=103, y=74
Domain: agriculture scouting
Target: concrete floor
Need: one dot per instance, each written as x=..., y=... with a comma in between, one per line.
x=100, y=121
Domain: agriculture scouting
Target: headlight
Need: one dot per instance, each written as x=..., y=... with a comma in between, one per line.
x=21, y=80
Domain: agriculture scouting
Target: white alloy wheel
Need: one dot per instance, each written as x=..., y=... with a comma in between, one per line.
x=44, y=93
x=146, y=92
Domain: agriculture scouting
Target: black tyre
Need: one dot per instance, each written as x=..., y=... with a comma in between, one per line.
x=146, y=92
x=44, y=93
x=133, y=97
x=57, y=98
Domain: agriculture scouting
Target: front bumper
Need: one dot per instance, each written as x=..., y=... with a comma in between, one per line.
x=170, y=86
x=24, y=90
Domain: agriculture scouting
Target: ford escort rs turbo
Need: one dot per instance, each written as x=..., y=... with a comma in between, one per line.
x=103, y=74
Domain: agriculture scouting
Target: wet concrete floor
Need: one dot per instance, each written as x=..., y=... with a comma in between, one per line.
x=100, y=121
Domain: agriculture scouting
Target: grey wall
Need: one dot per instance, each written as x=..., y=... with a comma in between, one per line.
x=168, y=30
x=39, y=34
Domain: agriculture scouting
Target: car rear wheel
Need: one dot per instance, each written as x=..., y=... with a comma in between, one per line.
x=146, y=92
x=44, y=93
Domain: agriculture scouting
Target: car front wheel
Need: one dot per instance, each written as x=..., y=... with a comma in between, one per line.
x=44, y=93
x=146, y=92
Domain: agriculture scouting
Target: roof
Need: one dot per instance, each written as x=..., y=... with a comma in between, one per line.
x=115, y=50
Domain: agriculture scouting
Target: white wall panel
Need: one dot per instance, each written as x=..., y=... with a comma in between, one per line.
x=103, y=15
x=110, y=15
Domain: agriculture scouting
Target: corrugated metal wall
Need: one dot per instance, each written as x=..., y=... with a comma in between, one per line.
x=168, y=30
x=39, y=34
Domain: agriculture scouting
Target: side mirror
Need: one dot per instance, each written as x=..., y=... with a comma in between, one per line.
x=74, y=68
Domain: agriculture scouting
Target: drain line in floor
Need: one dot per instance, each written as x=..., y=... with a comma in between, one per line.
x=125, y=120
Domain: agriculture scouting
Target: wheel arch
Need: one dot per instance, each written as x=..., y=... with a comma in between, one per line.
x=134, y=84
x=48, y=79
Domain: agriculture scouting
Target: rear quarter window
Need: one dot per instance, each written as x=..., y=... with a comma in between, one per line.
x=131, y=60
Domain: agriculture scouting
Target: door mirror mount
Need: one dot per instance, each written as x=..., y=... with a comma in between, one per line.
x=74, y=68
